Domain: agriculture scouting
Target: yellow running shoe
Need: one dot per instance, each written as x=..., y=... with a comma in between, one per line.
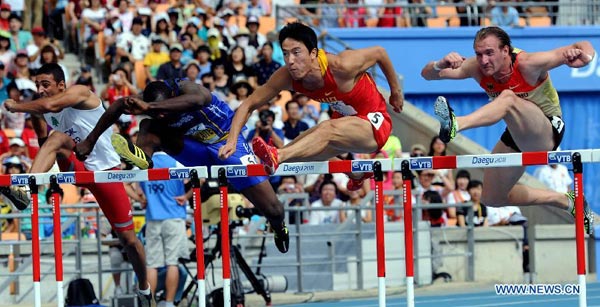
x=130, y=153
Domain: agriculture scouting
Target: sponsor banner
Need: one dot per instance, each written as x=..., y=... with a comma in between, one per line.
x=301, y=168
x=20, y=179
x=420, y=163
x=361, y=166
x=231, y=171
x=184, y=172
x=62, y=178
x=559, y=157
x=120, y=176
x=484, y=161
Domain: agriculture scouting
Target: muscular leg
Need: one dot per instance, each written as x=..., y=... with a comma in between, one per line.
x=329, y=138
x=58, y=145
x=526, y=122
x=264, y=198
x=500, y=187
x=135, y=253
x=154, y=136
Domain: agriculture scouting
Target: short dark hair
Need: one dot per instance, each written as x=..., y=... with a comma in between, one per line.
x=300, y=32
x=52, y=69
x=290, y=102
x=497, y=32
x=157, y=91
x=326, y=182
x=474, y=184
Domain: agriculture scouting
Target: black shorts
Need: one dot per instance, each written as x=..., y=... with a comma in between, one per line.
x=558, y=131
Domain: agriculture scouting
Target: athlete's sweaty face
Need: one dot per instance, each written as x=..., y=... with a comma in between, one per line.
x=490, y=56
x=297, y=57
x=47, y=86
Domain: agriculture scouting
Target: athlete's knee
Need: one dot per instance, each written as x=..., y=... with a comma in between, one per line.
x=128, y=238
x=330, y=129
x=509, y=99
x=59, y=140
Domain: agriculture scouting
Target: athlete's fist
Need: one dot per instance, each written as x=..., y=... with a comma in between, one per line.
x=83, y=149
x=228, y=149
x=396, y=100
x=10, y=104
x=451, y=60
x=576, y=58
x=136, y=106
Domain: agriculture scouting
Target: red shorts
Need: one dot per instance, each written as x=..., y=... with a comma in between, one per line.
x=381, y=124
x=111, y=197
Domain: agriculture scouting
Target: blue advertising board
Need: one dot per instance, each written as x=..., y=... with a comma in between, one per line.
x=411, y=48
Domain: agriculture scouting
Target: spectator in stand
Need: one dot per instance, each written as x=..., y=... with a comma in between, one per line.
x=258, y=8
x=418, y=14
x=202, y=55
x=125, y=15
x=425, y=183
x=468, y=14
x=48, y=54
x=356, y=197
x=437, y=148
x=189, y=48
x=4, y=82
x=54, y=21
x=93, y=18
x=162, y=30
x=310, y=113
x=6, y=54
x=132, y=46
x=328, y=14
x=273, y=38
x=191, y=27
x=17, y=149
x=237, y=69
x=4, y=15
x=309, y=12
x=459, y=195
x=242, y=39
x=155, y=58
x=354, y=15
x=148, y=24
x=40, y=41
x=85, y=77
x=393, y=200
x=10, y=120
x=505, y=15
x=289, y=184
x=391, y=17
x=217, y=52
x=265, y=130
x=74, y=9
x=434, y=216
x=256, y=39
x=174, y=19
x=226, y=39
x=480, y=210
x=19, y=38
x=241, y=90
x=30, y=138
x=221, y=79
x=266, y=66
x=555, y=176
x=20, y=67
x=191, y=71
x=118, y=86
x=293, y=126
x=328, y=199
x=230, y=28
x=174, y=68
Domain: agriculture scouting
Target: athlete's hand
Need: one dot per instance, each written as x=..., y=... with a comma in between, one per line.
x=228, y=149
x=83, y=149
x=576, y=58
x=9, y=104
x=451, y=60
x=397, y=101
x=136, y=106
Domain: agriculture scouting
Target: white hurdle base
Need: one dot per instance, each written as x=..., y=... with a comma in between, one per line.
x=227, y=292
x=60, y=294
x=201, y=293
x=582, y=291
x=381, y=291
x=37, y=294
x=410, y=291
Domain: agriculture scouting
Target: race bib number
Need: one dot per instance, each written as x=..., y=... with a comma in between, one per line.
x=248, y=159
x=376, y=119
x=557, y=123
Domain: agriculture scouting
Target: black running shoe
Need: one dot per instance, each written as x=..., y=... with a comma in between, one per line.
x=130, y=153
x=447, y=119
x=588, y=215
x=282, y=239
x=17, y=195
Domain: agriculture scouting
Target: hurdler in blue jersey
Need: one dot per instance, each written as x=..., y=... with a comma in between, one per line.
x=190, y=124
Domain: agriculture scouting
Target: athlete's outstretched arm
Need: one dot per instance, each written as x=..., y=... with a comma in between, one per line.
x=576, y=55
x=354, y=62
x=193, y=97
x=71, y=97
x=451, y=66
x=280, y=80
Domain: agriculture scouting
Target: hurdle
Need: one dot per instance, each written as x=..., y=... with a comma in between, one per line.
x=406, y=165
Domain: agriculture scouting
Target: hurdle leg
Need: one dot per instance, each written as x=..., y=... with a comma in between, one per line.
x=579, y=228
x=408, y=234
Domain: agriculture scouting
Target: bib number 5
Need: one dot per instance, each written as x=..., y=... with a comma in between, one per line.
x=376, y=119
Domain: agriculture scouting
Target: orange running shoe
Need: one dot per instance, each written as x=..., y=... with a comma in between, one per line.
x=267, y=155
x=356, y=184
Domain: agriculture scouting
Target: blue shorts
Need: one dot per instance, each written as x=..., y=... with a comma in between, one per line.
x=199, y=154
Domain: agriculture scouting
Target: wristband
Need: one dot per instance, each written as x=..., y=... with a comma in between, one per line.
x=435, y=66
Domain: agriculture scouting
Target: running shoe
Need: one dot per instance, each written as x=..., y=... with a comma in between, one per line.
x=145, y=300
x=17, y=195
x=588, y=215
x=130, y=153
x=267, y=154
x=282, y=238
x=356, y=184
x=447, y=119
